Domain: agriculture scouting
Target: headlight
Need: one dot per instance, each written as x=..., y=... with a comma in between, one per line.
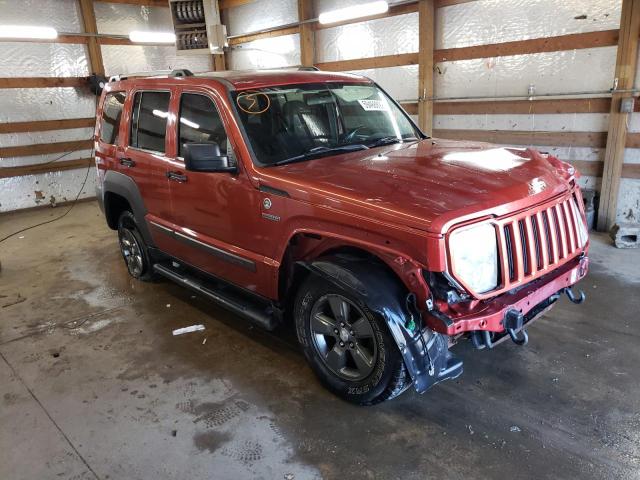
x=474, y=257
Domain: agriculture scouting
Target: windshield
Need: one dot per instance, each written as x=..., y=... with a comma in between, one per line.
x=300, y=122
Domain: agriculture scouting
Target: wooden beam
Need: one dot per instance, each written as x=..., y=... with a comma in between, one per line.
x=631, y=170
x=93, y=44
x=373, y=62
x=511, y=107
x=633, y=139
x=224, y=4
x=307, y=35
x=449, y=3
x=144, y=3
x=426, y=39
x=42, y=82
x=45, y=125
x=256, y=36
x=536, y=45
x=45, y=148
x=626, y=64
x=518, y=137
x=7, y=172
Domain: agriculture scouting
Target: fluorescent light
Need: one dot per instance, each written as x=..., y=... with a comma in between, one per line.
x=189, y=123
x=26, y=31
x=152, y=37
x=355, y=11
x=160, y=113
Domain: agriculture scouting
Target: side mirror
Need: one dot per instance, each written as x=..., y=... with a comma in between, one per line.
x=206, y=157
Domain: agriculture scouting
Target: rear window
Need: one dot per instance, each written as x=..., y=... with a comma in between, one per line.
x=111, y=115
x=149, y=121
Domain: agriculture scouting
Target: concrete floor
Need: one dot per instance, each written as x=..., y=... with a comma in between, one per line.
x=94, y=385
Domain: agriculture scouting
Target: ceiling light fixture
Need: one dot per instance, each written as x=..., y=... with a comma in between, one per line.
x=355, y=11
x=152, y=37
x=29, y=32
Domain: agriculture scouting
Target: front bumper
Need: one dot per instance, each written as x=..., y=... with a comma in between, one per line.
x=489, y=314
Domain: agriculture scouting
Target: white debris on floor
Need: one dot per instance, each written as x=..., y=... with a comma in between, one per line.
x=192, y=328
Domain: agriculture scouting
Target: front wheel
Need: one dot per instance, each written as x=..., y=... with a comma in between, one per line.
x=347, y=345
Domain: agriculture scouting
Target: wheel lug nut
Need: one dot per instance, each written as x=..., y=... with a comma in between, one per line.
x=342, y=324
x=342, y=344
x=351, y=332
x=351, y=345
x=335, y=330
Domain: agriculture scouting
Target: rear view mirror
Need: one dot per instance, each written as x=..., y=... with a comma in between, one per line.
x=206, y=157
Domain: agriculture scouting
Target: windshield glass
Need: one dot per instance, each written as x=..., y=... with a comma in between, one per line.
x=300, y=122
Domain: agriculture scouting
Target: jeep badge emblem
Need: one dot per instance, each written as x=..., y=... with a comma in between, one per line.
x=266, y=203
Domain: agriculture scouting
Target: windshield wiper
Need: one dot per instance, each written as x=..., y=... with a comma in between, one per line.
x=321, y=151
x=390, y=140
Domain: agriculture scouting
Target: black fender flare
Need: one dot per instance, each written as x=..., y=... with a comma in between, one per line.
x=125, y=186
x=425, y=352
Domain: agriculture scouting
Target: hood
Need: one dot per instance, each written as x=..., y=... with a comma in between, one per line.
x=427, y=185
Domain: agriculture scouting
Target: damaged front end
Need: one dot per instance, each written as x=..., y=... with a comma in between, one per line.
x=425, y=352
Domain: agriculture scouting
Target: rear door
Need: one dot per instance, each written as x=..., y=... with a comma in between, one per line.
x=143, y=156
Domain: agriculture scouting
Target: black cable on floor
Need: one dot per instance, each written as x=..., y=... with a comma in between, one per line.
x=73, y=204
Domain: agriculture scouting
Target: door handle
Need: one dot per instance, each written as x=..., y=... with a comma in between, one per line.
x=127, y=162
x=177, y=177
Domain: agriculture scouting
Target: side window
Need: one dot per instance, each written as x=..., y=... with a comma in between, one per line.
x=149, y=120
x=111, y=115
x=200, y=122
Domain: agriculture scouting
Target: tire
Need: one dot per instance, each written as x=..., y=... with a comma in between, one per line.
x=383, y=377
x=133, y=249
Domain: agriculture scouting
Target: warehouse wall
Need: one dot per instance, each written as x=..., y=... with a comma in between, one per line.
x=26, y=59
x=478, y=22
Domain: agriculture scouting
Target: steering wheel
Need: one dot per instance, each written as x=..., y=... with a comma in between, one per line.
x=348, y=137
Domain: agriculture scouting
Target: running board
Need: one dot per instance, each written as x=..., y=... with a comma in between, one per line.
x=252, y=310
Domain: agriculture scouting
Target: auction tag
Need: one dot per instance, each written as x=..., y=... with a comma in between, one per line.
x=373, y=105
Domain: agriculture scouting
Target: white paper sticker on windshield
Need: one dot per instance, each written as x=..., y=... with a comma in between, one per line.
x=373, y=105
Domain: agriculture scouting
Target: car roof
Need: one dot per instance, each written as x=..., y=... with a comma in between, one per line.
x=264, y=78
x=248, y=79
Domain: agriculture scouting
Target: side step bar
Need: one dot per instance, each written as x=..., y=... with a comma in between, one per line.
x=251, y=310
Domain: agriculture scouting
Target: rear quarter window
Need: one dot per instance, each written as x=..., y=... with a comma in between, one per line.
x=111, y=116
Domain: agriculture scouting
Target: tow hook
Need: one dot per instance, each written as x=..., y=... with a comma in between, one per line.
x=572, y=296
x=513, y=322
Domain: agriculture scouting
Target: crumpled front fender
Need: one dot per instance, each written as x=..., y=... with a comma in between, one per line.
x=425, y=352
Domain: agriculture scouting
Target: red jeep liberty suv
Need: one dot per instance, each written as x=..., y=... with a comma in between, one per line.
x=313, y=197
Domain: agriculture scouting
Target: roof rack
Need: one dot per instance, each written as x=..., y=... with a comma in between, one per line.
x=180, y=72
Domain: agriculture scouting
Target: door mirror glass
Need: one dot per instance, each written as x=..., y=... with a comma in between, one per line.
x=206, y=157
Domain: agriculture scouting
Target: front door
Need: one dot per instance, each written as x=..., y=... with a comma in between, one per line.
x=212, y=210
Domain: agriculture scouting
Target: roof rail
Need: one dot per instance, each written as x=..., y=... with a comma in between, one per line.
x=181, y=72
x=156, y=73
x=308, y=69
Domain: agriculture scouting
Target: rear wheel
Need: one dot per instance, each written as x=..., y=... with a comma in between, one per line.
x=133, y=249
x=347, y=345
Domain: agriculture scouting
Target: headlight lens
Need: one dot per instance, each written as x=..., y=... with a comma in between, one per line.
x=474, y=257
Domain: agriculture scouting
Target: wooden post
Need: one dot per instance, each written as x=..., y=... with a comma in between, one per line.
x=617, y=135
x=307, y=36
x=93, y=44
x=218, y=62
x=426, y=34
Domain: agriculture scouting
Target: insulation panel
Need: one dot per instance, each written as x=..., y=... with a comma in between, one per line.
x=496, y=21
x=260, y=15
x=273, y=52
x=373, y=38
